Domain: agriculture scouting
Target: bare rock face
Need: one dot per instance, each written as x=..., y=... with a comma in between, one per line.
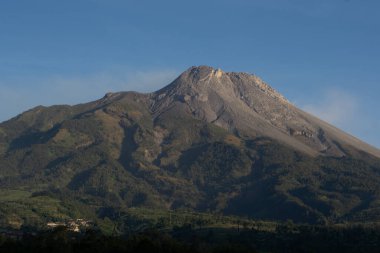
x=246, y=105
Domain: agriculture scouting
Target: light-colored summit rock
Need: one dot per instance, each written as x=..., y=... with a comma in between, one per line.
x=247, y=106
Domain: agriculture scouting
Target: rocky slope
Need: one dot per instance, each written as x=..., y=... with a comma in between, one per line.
x=209, y=141
x=244, y=104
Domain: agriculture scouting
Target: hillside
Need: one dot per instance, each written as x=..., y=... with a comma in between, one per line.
x=210, y=141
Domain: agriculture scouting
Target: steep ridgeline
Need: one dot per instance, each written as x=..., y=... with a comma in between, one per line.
x=209, y=141
x=244, y=104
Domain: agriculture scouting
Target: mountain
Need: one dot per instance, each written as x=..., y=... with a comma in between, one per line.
x=211, y=141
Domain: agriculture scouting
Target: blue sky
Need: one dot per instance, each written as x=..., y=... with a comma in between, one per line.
x=323, y=55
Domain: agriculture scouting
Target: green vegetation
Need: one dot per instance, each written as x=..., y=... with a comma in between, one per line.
x=81, y=162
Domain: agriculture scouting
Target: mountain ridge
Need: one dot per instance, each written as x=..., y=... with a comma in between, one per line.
x=201, y=73
x=210, y=141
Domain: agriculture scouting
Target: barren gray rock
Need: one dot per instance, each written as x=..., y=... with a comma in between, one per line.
x=247, y=106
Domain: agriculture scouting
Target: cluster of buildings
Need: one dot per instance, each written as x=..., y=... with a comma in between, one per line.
x=77, y=225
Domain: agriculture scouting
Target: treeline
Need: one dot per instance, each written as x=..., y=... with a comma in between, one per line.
x=63, y=241
x=286, y=237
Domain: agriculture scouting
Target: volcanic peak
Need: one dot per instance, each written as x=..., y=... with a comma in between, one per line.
x=214, y=78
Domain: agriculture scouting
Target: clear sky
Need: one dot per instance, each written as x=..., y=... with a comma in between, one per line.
x=323, y=55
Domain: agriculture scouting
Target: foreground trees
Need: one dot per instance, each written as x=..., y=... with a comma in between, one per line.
x=287, y=237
